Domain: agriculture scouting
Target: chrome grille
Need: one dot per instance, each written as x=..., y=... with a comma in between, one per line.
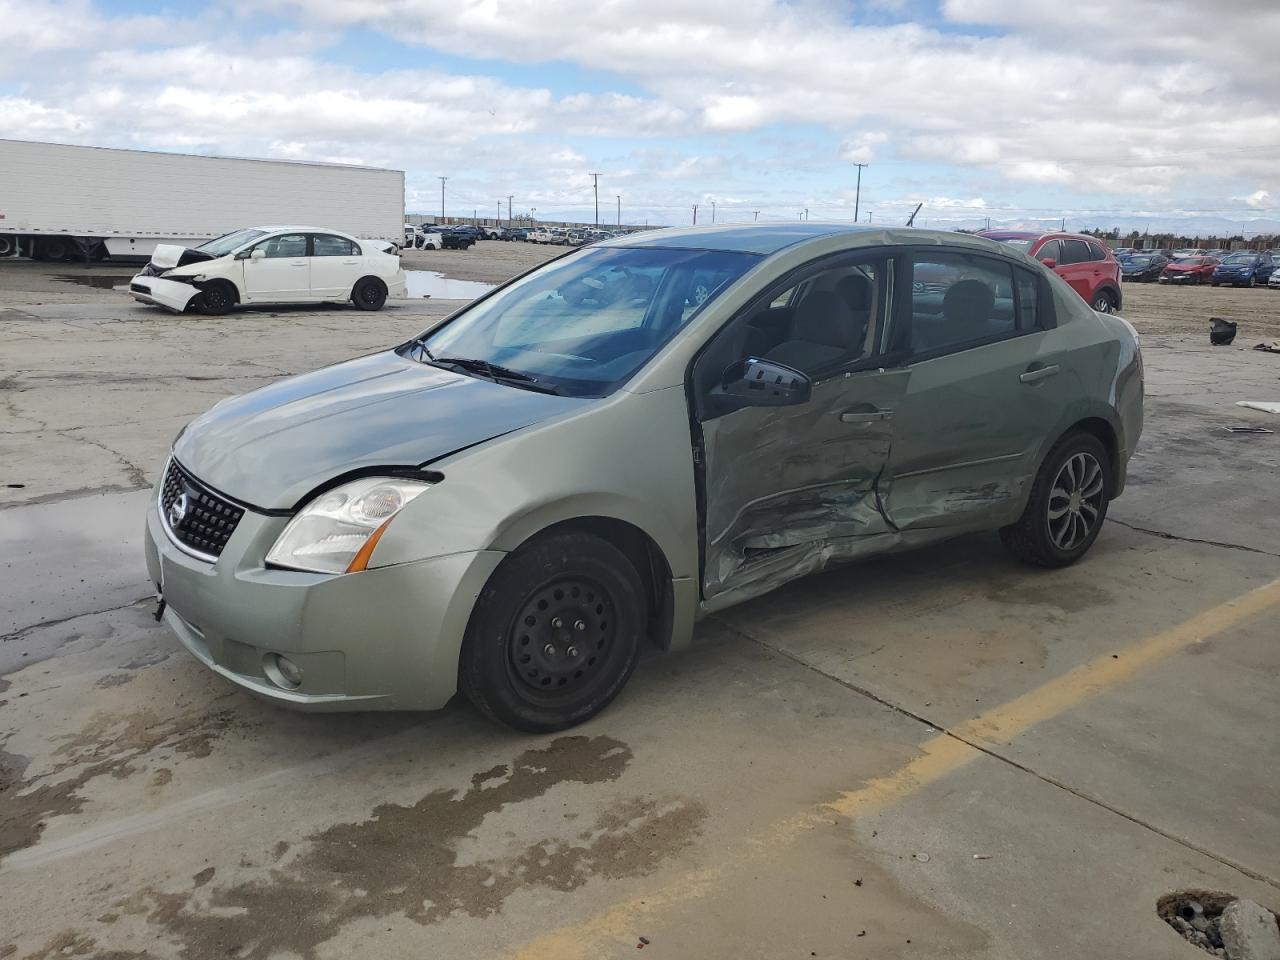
x=198, y=519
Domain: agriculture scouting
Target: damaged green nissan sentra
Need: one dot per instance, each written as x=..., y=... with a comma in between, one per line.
x=595, y=454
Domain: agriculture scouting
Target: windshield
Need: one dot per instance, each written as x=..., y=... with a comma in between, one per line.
x=1244, y=258
x=1021, y=243
x=224, y=245
x=583, y=325
x=1139, y=261
x=1188, y=261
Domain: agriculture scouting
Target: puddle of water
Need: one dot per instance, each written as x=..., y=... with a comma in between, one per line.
x=428, y=283
x=98, y=281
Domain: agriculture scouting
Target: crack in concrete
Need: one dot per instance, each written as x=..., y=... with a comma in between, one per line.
x=45, y=624
x=1164, y=535
x=998, y=756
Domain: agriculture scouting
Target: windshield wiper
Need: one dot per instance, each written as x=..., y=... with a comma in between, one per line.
x=496, y=373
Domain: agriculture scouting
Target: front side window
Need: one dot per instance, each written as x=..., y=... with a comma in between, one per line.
x=823, y=323
x=288, y=245
x=583, y=325
x=327, y=245
x=1049, y=251
x=958, y=300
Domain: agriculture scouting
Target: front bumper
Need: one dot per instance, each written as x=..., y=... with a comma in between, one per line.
x=163, y=293
x=385, y=639
x=1179, y=277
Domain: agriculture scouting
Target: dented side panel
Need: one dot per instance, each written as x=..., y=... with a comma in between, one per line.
x=789, y=489
x=969, y=432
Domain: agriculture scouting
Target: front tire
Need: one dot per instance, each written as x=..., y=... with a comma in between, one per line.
x=369, y=294
x=216, y=298
x=1068, y=504
x=555, y=634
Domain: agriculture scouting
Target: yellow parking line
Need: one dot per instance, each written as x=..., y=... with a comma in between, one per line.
x=938, y=757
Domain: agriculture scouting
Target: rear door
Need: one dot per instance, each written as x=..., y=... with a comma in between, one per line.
x=336, y=265
x=988, y=380
x=283, y=273
x=785, y=490
x=1077, y=267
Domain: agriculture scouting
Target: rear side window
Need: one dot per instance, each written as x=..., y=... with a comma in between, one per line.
x=1028, y=302
x=1075, y=251
x=327, y=245
x=1049, y=251
x=1096, y=252
x=959, y=300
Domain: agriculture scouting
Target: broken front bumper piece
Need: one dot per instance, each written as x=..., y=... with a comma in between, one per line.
x=170, y=294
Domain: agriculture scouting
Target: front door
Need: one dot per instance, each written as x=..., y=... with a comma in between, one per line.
x=282, y=273
x=988, y=382
x=786, y=490
x=1077, y=267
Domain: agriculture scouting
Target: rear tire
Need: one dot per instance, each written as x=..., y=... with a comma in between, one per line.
x=555, y=634
x=1103, y=302
x=1067, y=506
x=216, y=298
x=369, y=293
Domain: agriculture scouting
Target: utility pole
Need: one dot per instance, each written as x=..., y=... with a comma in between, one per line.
x=619, y=209
x=695, y=214
x=499, y=213
x=713, y=211
x=868, y=216
x=442, y=180
x=755, y=215
x=510, y=197
x=595, y=180
x=857, y=196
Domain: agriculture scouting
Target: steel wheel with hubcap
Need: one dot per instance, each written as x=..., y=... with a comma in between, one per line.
x=369, y=294
x=217, y=297
x=1067, y=505
x=555, y=634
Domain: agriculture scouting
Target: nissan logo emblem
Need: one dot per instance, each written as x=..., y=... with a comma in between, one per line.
x=178, y=510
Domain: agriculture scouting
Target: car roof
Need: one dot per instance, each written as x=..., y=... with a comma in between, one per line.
x=296, y=227
x=768, y=239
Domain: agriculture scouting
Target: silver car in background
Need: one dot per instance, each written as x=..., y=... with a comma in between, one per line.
x=596, y=454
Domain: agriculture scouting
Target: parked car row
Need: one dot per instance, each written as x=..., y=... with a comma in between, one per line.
x=1244, y=268
x=568, y=237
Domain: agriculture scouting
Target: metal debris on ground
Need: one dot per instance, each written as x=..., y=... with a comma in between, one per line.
x=1266, y=406
x=982, y=856
x=922, y=857
x=1272, y=347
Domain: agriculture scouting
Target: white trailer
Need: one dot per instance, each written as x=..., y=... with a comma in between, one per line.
x=59, y=201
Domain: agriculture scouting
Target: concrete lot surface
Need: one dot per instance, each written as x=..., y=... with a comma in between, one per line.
x=936, y=754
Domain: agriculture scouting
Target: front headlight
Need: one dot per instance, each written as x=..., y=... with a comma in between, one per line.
x=337, y=531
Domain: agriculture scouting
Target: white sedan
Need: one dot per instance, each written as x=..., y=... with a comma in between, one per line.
x=271, y=265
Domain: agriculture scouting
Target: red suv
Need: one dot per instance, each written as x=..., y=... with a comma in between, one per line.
x=1082, y=261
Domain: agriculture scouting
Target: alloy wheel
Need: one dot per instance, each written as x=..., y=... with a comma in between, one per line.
x=1075, y=501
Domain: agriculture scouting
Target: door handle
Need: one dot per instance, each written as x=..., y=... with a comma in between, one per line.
x=865, y=416
x=350, y=263
x=1040, y=373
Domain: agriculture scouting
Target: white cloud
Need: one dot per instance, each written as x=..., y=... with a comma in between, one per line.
x=1065, y=97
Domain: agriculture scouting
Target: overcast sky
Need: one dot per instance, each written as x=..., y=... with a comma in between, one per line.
x=1102, y=111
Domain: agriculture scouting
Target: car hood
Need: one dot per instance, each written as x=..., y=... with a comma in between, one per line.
x=272, y=447
x=169, y=255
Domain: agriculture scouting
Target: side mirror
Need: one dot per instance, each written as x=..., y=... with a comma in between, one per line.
x=754, y=382
x=1049, y=262
x=258, y=254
